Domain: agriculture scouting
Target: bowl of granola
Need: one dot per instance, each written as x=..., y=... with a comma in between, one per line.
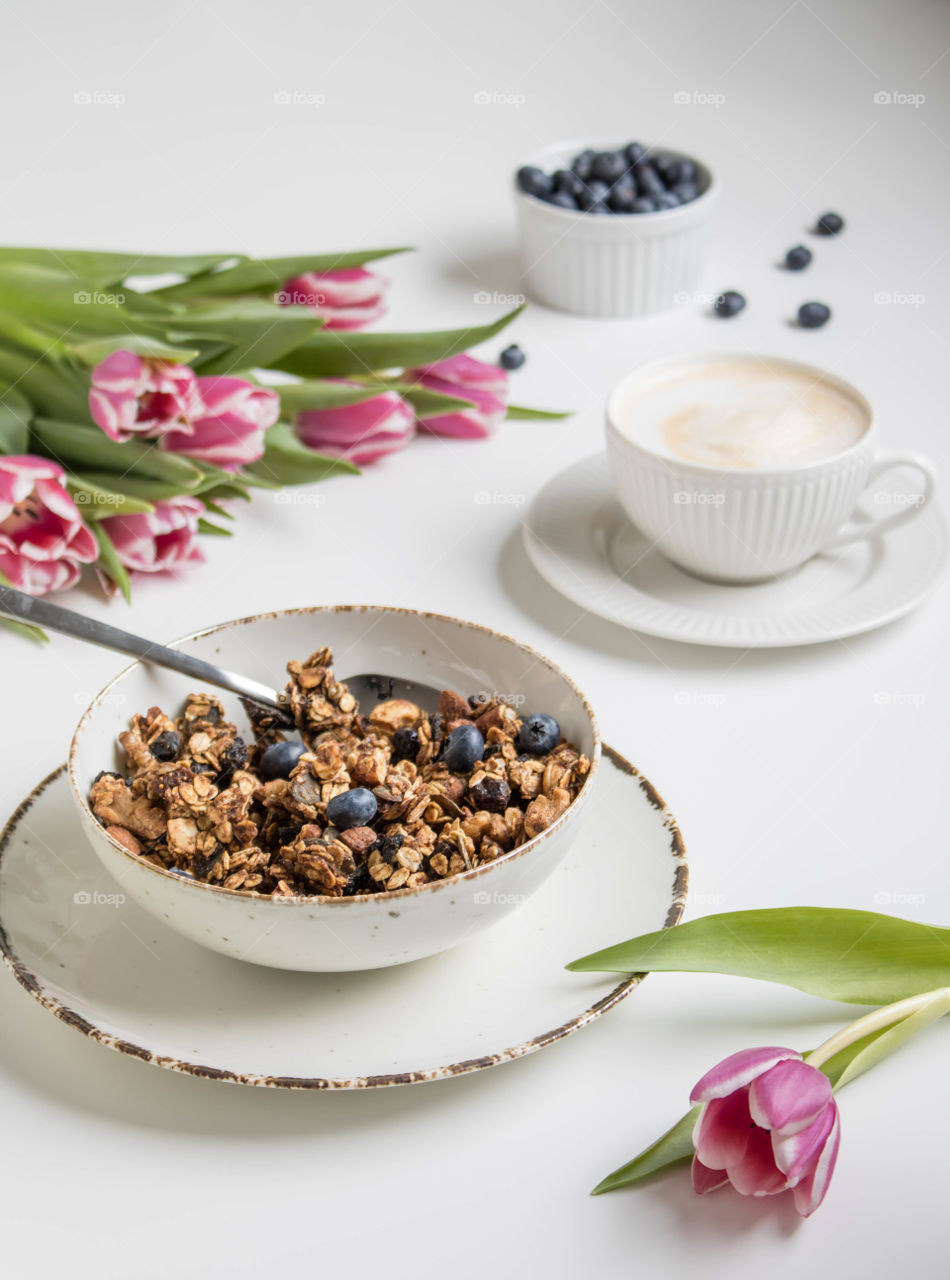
x=331, y=835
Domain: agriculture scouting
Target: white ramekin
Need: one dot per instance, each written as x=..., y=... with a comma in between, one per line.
x=622, y=264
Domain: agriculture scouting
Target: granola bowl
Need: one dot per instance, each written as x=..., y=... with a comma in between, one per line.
x=345, y=930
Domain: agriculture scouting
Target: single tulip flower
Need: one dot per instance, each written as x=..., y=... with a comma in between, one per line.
x=464, y=377
x=769, y=1123
x=161, y=540
x=348, y=299
x=362, y=432
x=44, y=541
x=229, y=422
x=134, y=397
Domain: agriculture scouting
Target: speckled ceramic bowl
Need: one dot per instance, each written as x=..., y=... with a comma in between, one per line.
x=333, y=934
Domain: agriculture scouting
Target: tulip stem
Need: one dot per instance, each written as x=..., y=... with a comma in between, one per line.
x=886, y=1016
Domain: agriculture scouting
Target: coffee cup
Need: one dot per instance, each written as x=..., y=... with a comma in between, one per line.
x=739, y=468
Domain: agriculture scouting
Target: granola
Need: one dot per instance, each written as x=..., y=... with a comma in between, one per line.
x=364, y=803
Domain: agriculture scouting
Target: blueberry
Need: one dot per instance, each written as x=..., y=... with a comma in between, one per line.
x=180, y=871
x=798, y=258
x=608, y=166
x=683, y=170
x=568, y=182
x=512, y=357
x=562, y=200
x=539, y=734
x=829, y=224
x=595, y=192
x=406, y=741
x=667, y=167
x=686, y=191
x=167, y=746
x=649, y=181
x=623, y=197
x=278, y=760
x=463, y=748
x=668, y=200
x=532, y=181
x=582, y=164
x=728, y=304
x=645, y=204
x=812, y=315
x=635, y=152
x=355, y=808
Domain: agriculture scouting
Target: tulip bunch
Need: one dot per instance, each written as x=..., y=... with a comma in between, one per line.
x=138, y=394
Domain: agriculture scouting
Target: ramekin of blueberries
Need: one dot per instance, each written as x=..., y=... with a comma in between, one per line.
x=615, y=230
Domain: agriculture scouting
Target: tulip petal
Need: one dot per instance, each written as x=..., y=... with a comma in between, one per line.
x=811, y=1190
x=737, y=1071
x=796, y=1153
x=706, y=1180
x=722, y=1131
x=756, y=1173
x=789, y=1096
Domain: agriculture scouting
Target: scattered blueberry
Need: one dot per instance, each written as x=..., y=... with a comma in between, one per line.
x=645, y=204
x=829, y=224
x=562, y=200
x=583, y=164
x=279, y=759
x=812, y=315
x=539, y=734
x=512, y=357
x=354, y=808
x=167, y=746
x=533, y=181
x=463, y=748
x=728, y=304
x=798, y=258
x=608, y=166
x=595, y=192
x=406, y=741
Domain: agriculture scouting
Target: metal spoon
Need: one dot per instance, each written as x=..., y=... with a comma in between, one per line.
x=365, y=688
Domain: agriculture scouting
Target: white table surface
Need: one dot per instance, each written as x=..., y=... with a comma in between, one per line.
x=814, y=775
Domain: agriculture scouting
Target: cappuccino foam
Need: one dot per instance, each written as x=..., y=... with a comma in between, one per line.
x=742, y=413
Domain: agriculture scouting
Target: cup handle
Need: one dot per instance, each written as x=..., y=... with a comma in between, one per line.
x=883, y=461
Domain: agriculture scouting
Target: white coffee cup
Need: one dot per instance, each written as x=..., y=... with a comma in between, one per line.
x=775, y=497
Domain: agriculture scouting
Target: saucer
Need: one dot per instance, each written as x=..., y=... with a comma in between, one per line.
x=109, y=970
x=580, y=541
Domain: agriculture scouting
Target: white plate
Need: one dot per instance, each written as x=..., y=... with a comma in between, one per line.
x=116, y=974
x=579, y=539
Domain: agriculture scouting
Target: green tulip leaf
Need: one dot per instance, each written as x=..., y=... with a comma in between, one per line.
x=15, y=415
x=288, y=462
x=89, y=448
x=215, y=530
x=110, y=564
x=860, y=957
x=536, y=415
x=673, y=1148
x=96, y=502
x=92, y=267
x=316, y=393
x=90, y=353
x=259, y=275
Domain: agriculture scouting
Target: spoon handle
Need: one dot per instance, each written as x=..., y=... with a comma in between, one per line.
x=27, y=608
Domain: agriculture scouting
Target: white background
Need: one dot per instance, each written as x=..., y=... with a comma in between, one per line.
x=817, y=775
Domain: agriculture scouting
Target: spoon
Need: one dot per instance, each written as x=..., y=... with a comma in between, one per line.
x=366, y=687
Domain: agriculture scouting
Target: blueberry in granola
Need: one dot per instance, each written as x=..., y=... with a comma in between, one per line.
x=356, y=808
x=539, y=734
x=279, y=760
x=167, y=746
x=463, y=748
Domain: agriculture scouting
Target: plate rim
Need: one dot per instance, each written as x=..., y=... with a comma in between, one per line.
x=535, y=554
x=34, y=986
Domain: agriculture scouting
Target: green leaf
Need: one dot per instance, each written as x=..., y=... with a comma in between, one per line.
x=206, y=526
x=15, y=415
x=286, y=461
x=867, y=1052
x=673, y=1148
x=98, y=268
x=136, y=486
x=536, y=415
x=96, y=502
x=25, y=629
x=90, y=353
x=316, y=393
x=860, y=957
x=248, y=333
x=331, y=353
x=51, y=300
x=428, y=403
x=88, y=447
x=255, y=275
x=110, y=564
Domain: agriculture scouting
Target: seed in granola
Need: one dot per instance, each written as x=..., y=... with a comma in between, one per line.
x=490, y=793
x=353, y=808
x=167, y=746
x=279, y=760
x=405, y=744
x=463, y=749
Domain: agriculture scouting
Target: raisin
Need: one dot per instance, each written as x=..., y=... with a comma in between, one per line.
x=389, y=846
x=492, y=794
x=167, y=746
x=405, y=744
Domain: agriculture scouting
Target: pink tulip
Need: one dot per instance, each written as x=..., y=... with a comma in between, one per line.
x=43, y=540
x=769, y=1123
x=350, y=298
x=132, y=396
x=159, y=540
x=486, y=385
x=228, y=426
x=359, y=432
